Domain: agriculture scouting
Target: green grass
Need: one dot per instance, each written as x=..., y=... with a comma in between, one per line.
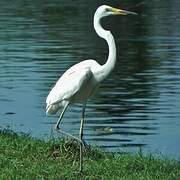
x=22, y=157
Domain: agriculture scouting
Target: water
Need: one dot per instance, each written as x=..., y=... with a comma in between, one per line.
x=137, y=106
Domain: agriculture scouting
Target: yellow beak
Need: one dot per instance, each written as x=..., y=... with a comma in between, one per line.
x=122, y=12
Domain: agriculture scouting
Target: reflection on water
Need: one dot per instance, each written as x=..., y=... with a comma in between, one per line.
x=137, y=106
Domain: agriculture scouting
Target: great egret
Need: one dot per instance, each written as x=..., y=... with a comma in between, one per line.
x=80, y=81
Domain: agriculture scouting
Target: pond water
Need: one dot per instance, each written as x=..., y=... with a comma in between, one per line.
x=139, y=103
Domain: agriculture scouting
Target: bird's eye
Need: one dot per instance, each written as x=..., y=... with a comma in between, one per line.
x=108, y=10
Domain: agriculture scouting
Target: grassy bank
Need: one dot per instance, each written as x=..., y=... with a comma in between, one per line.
x=22, y=157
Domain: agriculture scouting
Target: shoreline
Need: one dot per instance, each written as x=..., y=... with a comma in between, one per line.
x=24, y=157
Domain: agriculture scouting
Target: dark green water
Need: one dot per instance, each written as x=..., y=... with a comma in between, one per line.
x=137, y=106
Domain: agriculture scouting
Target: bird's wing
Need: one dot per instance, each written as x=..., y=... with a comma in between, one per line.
x=69, y=84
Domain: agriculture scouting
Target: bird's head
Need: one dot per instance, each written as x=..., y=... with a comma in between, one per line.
x=105, y=10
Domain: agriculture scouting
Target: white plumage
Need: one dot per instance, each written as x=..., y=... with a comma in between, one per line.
x=75, y=85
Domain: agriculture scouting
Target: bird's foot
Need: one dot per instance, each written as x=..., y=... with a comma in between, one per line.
x=78, y=173
x=85, y=145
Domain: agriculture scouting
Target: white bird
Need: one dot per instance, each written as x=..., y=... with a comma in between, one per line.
x=80, y=81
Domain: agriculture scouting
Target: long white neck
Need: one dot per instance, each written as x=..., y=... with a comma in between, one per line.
x=109, y=65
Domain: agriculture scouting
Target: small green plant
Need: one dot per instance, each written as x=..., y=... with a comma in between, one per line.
x=22, y=157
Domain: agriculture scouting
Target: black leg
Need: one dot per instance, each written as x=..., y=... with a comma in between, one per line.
x=81, y=139
x=57, y=128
